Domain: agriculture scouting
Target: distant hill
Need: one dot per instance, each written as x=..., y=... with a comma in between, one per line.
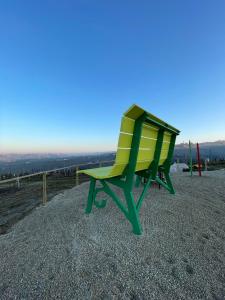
x=211, y=150
x=29, y=164
x=12, y=157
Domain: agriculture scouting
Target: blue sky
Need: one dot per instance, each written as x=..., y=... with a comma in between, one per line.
x=69, y=69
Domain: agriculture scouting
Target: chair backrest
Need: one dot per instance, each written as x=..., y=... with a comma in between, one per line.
x=148, y=141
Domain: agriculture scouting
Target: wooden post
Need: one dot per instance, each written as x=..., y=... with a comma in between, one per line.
x=199, y=161
x=77, y=176
x=18, y=183
x=44, y=188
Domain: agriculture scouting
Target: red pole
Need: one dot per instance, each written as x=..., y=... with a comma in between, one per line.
x=199, y=162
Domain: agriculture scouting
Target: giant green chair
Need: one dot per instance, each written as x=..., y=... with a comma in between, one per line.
x=145, y=147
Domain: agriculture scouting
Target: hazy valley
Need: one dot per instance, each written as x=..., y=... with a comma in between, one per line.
x=31, y=163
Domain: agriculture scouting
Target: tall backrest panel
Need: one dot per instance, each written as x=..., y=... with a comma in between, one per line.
x=147, y=146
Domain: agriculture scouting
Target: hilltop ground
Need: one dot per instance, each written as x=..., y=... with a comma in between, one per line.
x=58, y=252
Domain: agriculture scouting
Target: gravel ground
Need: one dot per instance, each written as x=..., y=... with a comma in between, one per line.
x=58, y=252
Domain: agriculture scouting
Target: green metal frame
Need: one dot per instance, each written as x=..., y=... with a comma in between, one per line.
x=126, y=181
x=163, y=169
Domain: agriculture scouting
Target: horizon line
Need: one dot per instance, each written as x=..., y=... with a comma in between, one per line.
x=87, y=152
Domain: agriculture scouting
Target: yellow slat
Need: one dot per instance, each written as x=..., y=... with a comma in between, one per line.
x=145, y=155
x=165, y=146
x=163, y=156
x=149, y=132
x=164, y=153
x=125, y=140
x=122, y=156
x=147, y=143
x=146, y=125
x=166, y=137
x=127, y=125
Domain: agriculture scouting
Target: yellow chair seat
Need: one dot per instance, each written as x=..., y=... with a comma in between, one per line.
x=100, y=173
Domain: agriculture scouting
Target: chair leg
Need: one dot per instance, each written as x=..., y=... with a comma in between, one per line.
x=133, y=213
x=169, y=183
x=138, y=181
x=91, y=196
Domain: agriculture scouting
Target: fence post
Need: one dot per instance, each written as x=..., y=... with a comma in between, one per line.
x=77, y=176
x=199, y=161
x=190, y=153
x=18, y=183
x=44, y=188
